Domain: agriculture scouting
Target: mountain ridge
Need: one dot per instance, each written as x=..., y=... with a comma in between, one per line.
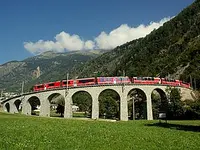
x=49, y=66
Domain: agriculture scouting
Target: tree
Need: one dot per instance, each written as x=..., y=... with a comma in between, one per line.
x=84, y=101
x=139, y=99
x=60, y=110
x=192, y=109
x=156, y=105
x=175, y=106
x=108, y=108
x=109, y=104
x=58, y=100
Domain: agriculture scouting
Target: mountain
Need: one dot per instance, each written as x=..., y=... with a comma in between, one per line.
x=171, y=51
x=48, y=66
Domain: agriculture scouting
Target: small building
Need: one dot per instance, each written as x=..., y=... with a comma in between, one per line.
x=75, y=108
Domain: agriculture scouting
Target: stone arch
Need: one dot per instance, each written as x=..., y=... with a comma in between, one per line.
x=159, y=102
x=18, y=104
x=137, y=104
x=7, y=106
x=35, y=103
x=56, y=105
x=82, y=100
x=109, y=104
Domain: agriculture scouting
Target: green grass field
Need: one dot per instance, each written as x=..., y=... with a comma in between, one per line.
x=26, y=132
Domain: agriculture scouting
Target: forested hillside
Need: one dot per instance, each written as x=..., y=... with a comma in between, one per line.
x=171, y=51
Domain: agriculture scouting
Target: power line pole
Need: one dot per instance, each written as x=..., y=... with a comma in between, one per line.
x=66, y=89
x=124, y=73
x=67, y=80
x=123, y=85
x=133, y=99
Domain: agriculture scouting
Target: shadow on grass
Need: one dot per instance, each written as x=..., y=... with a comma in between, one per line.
x=192, y=128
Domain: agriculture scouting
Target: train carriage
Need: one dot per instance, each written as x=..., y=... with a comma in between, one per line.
x=106, y=80
x=113, y=80
x=184, y=84
x=170, y=82
x=146, y=80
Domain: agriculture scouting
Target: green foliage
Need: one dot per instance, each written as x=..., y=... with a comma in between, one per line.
x=140, y=105
x=156, y=105
x=84, y=101
x=192, y=109
x=60, y=110
x=109, y=105
x=109, y=108
x=140, y=109
x=175, y=106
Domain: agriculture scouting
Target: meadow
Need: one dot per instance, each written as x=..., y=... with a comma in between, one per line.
x=27, y=132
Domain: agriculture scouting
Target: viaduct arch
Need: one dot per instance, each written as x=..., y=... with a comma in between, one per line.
x=44, y=98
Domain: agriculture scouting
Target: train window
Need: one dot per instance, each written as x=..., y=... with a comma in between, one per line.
x=51, y=84
x=69, y=82
x=101, y=79
x=86, y=81
x=40, y=86
x=120, y=78
x=108, y=79
x=104, y=79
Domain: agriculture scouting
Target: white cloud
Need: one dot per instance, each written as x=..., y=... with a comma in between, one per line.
x=64, y=41
x=43, y=46
x=70, y=42
x=124, y=34
x=89, y=45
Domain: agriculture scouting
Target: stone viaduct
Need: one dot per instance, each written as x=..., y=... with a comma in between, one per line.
x=12, y=105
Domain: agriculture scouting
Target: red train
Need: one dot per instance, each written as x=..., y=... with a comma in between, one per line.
x=109, y=80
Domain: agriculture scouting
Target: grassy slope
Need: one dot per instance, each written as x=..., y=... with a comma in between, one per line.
x=21, y=132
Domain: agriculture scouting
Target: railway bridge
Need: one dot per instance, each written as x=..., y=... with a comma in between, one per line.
x=124, y=91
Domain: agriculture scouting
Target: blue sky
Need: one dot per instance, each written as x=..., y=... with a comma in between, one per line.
x=31, y=27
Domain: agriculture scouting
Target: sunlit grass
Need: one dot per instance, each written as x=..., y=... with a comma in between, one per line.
x=26, y=132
